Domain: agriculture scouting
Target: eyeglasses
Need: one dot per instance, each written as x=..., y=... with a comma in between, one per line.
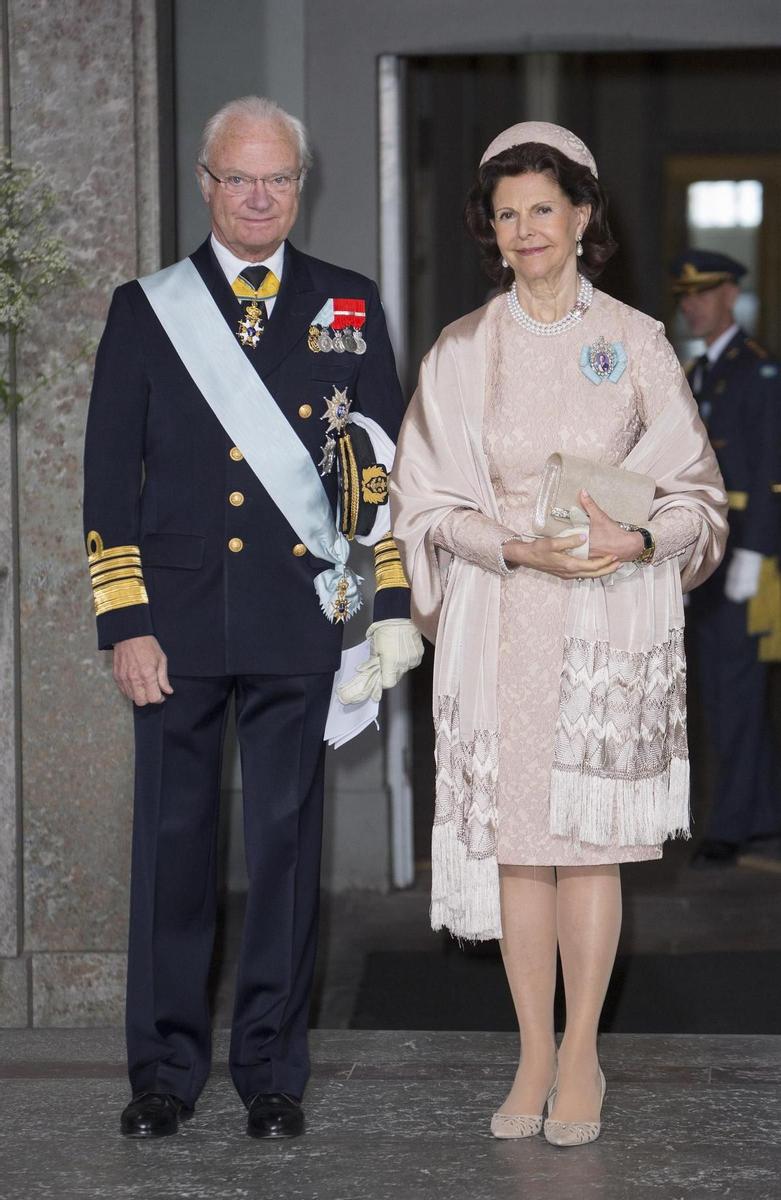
x=237, y=184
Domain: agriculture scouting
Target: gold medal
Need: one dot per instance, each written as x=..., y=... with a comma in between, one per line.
x=340, y=606
x=251, y=326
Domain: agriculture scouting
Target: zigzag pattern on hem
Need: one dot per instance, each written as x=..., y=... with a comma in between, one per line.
x=621, y=771
x=466, y=781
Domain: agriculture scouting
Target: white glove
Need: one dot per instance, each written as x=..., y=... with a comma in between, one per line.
x=397, y=647
x=742, y=580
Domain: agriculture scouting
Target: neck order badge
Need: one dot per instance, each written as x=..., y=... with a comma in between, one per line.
x=252, y=288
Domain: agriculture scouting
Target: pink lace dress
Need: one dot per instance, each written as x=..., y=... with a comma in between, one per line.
x=540, y=400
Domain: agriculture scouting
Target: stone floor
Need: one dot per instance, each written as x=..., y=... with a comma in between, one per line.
x=402, y=1115
x=668, y=909
x=406, y=1114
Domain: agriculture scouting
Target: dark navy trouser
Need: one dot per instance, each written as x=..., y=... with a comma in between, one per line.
x=733, y=689
x=280, y=722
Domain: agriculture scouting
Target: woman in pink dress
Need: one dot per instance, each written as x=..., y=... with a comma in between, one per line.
x=559, y=690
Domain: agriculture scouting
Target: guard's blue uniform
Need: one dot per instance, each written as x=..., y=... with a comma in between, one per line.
x=740, y=403
x=185, y=543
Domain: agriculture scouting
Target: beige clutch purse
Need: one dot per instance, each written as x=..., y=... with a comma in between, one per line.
x=624, y=495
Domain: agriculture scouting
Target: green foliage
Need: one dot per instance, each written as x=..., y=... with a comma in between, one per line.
x=32, y=259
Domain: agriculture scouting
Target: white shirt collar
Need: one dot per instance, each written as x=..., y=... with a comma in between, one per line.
x=714, y=351
x=233, y=266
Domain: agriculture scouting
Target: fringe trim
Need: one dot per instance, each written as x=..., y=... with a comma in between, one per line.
x=623, y=812
x=464, y=891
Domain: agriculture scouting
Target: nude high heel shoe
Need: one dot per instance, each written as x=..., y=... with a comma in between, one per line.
x=511, y=1125
x=575, y=1133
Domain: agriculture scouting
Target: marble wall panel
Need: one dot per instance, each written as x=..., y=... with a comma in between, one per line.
x=13, y=993
x=77, y=103
x=9, y=832
x=70, y=990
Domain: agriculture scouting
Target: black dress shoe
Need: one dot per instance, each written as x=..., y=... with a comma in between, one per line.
x=153, y=1114
x=713, y=853
x=275, y=1115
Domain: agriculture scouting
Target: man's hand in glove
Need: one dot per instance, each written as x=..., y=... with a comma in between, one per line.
x=742, y=579
x=397, y=647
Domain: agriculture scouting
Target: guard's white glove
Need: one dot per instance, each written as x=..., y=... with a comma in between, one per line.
x=742, y=580
x=397, y=647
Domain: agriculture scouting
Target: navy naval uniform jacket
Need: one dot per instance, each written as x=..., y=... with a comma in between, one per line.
x=229, y=585
x=740, y=403
x=184, y=543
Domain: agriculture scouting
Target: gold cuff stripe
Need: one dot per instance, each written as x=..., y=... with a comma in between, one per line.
x=387, y=565
x=124, y=567
x=112, y=564
x=114, y=576
x=119, y=595
x=391, y=576
x=738, y=500
x=96, y=550
x=94, y=560
x=776, y=488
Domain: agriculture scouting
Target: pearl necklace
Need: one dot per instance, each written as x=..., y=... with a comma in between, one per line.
x=551, y=328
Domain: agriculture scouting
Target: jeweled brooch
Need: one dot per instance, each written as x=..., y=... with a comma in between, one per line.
x=603, y=360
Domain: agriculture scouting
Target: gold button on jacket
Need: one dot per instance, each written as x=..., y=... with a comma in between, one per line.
x=305, y=411
x=235, y=544
x=235, y=454
x=236, y=499
x=299, y=549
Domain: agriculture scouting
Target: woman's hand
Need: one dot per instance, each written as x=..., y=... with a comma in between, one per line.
x=606, y=535
x=550, y=555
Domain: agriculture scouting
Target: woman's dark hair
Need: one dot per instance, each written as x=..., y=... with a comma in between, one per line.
x=574, y=179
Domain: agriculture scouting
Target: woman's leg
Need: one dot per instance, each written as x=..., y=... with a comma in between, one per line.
x=588, y=918
x=529, y=953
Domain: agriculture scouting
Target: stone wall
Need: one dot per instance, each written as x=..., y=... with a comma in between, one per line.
x=80, y=99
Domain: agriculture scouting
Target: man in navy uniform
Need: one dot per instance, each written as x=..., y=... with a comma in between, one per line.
x=737, y=385
x=242, y=421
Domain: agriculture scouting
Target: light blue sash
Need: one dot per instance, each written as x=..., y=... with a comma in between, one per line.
x=250, y=416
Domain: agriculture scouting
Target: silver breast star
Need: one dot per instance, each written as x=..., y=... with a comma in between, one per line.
x=337, y=411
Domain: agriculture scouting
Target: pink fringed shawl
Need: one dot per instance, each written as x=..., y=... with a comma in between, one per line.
x=621, y=761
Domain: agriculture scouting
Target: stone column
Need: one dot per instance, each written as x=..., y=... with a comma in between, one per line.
x=81, y=99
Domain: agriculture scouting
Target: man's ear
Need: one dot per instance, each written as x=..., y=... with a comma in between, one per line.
x=203, y=183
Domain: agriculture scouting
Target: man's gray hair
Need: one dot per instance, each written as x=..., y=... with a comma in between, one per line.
x=256, y=108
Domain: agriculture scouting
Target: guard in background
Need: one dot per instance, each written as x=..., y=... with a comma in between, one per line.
x=242, y=424
x=736, y=615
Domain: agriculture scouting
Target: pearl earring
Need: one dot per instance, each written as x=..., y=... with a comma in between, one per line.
x=505, y=263
x=579, y=248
